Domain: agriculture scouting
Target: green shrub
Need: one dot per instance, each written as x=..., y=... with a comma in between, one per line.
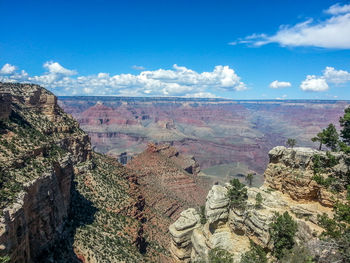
x=218, y=255
x=255, y=254
x=258, y=201
x=237, y=194
x=203, y=219
x=298, y=254
x=282, y=231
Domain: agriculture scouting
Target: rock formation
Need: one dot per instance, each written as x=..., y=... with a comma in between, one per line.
x=168, y=180
x=288, y=187
x=61, y=202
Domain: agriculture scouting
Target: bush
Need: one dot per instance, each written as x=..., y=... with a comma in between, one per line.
x=255, y=254
x=282, y=231
x=258, y=201
x=298, y=254
x=219, y=255
x=237, y=194
x=203, y=219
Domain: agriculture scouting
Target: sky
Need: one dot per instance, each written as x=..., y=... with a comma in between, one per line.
x=249, y=49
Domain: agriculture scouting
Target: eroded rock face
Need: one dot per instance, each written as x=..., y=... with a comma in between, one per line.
x=181, y=232
x=37, y=218
x=231, y=229
x=44, y=147
x=290, y=171
x=216, y=206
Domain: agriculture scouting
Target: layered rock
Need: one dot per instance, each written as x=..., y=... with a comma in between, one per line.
x=232, y=229
x=290, y=171
x=40, y=147
x=167, y=187
x=214, y=131
x=60, y=202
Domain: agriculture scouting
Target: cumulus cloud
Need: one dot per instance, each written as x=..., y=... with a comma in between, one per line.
x=7, y=69
x=333, y=32
x=313, y=83
x=321, y=83
x=178, y=81
x=279, y=84
x=56, y=68
x=336, y=76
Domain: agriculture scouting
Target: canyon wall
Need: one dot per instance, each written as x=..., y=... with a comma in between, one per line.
x=230, y=137
x=36, y=178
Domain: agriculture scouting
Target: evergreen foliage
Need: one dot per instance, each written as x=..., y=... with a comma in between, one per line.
x=237, y=194
x=258, y=201
x=345, y=124
x=282, y=231
x=328, y=137
x=255, y=254
x=218, y=255
x=291, y=142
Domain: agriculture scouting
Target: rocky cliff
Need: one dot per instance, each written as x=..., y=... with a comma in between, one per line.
x=61, y=202
x=40, y=146
x=289, y=186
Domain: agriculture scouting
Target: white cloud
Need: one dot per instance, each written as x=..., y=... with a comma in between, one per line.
x=336, y=76
x=333, y=32
x=279, y=84
x=178, y=81
x=321, y=83
x=7, y=69
x=313, y=83
x=138, y=67
x=338, y=9
x=56, y=68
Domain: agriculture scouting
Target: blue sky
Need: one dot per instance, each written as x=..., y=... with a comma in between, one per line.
x=233, y=49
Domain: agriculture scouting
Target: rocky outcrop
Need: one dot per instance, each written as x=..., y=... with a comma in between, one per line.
x=290, y=171
x=283, y=191
x=37, y=217
x=181, y=232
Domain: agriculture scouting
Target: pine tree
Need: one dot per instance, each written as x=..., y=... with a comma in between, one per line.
x=345, y=124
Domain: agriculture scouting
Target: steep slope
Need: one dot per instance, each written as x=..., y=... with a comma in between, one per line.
x=169, y=183
x=60, y=202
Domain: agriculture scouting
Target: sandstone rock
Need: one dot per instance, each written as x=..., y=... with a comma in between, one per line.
x=216, y=207
x=181, y=232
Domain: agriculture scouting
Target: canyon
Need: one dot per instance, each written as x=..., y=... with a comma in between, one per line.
x=62, y=200
x=228, y=138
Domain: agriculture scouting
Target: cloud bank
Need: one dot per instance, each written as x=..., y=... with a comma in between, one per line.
x=178, y=81
x=333, y=32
